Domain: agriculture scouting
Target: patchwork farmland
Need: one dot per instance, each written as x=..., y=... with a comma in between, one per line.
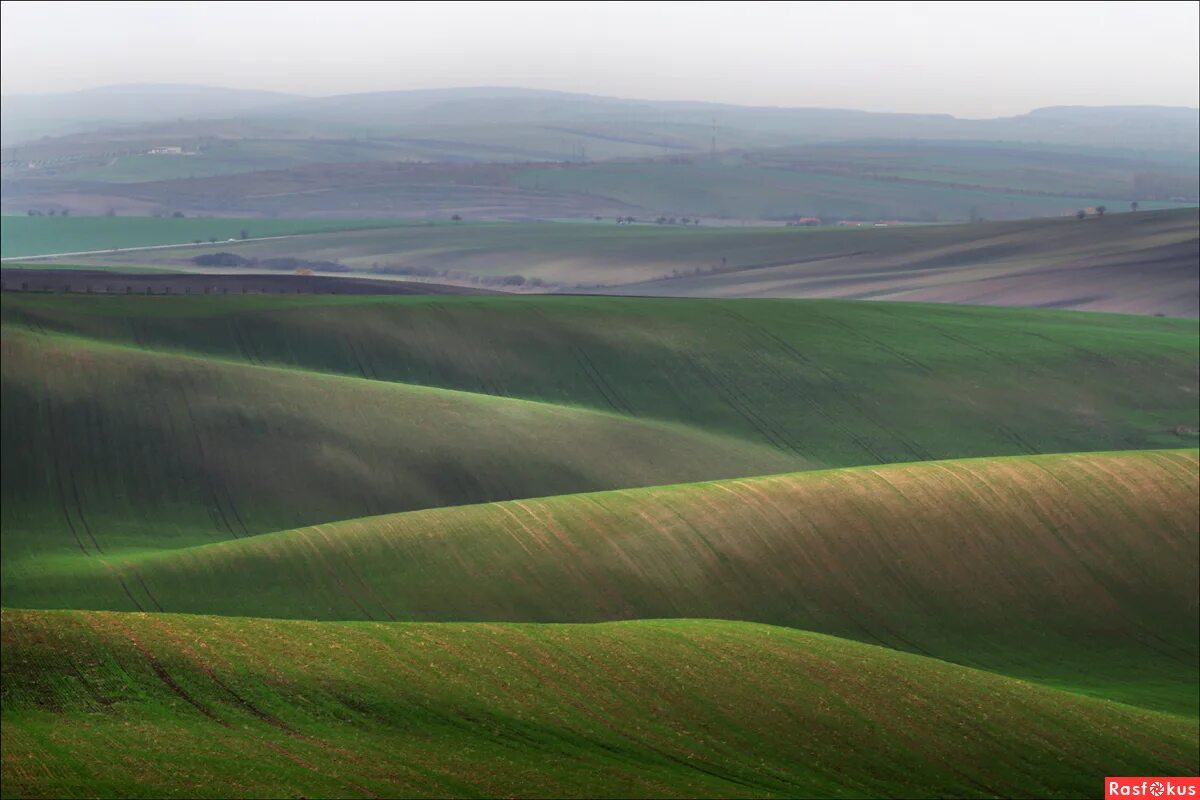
x=1144, y=263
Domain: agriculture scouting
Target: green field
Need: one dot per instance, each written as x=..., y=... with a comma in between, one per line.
x=1017, y=557
x=826, y=383
x=247, y=708
x=156, y=450
x=22, y=237
x=556, y=545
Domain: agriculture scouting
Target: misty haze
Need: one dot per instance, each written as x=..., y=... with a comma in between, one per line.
x=600, y=399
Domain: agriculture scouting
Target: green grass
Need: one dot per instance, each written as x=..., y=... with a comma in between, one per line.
x=1075, y=570
x=35, y=236
x=156, y=422
x=164, y=705
x=833, y=383
x=110, y=448
x=242, y=456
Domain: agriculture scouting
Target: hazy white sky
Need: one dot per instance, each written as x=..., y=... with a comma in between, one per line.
x=969, y=59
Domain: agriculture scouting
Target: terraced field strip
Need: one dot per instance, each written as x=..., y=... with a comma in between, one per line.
x=135, y=705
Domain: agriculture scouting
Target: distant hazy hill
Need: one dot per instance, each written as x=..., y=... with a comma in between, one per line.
x=1147, y=126
x=32, y=116
x=670, y=125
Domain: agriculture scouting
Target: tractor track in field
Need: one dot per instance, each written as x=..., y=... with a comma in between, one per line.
x=238, y=700
x=65, y=478
x=587, y=366
x=163, y=676
x=1100, y=580
x=851, y=401
x=352, y=349
x=1076, y=557
x=348, y=564
x=735, y=401
x=572, y=694
x=771, y=340
x=610, y=395
x=209, y=480
x=146, y=589
x=868, y=632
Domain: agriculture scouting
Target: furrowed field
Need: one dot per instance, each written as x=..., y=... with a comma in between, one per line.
x=246, y=708
x=343, y=545
x=523, y=443
x=1034, y=567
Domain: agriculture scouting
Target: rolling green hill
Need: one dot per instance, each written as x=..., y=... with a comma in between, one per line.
x=248, y=708
x=240, y=455
x=150, y=422
x=109, y=448
x=833, y=383
x=1077, y=570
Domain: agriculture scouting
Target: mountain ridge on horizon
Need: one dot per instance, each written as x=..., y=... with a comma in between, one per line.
x=116, y=88
x=25, y=118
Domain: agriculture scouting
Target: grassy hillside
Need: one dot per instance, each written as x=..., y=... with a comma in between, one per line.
x=831, y=383
x=26, y=236
x=109, y=448
x=247, y=708
x=1141, y=263
x=1077, y=570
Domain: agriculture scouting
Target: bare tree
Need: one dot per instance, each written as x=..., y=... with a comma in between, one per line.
x=1100, y=210
x=1080, y=214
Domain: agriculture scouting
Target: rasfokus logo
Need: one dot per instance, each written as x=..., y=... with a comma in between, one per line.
x=1151, y=787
